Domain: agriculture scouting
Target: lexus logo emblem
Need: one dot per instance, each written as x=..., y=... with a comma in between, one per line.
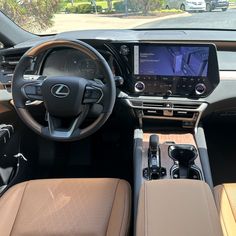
x=60, y=90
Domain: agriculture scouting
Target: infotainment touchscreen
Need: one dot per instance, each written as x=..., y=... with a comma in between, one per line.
x=171, y=60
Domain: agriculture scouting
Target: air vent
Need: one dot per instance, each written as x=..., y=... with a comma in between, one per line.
x=186, y=106
x=153, y=113
x=150, y=104
x=8, y=63
x=184, y=114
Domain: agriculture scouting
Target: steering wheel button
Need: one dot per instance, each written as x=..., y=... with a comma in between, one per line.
x=31, y=90
x=96, y=94
x=38, y=90
x=88, y=92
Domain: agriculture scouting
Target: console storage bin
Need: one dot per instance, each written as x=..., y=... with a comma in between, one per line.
x=177, y=207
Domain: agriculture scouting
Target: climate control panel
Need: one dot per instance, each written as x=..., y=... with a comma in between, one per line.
x=167, y=86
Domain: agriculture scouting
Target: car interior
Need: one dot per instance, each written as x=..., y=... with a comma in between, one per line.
x=117, y=132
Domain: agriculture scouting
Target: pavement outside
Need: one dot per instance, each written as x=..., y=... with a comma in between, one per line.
x=69, y=22
x=215, y=19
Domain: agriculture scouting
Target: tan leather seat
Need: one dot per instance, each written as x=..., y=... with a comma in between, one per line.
x=177, y=207
x=66, y=207
x=225, y=196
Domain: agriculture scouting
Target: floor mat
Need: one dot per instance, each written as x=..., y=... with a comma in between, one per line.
x=106, y=154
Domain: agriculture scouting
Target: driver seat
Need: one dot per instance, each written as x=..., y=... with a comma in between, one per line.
x=66, y=207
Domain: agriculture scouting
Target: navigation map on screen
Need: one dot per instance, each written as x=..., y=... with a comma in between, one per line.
x=171, y=60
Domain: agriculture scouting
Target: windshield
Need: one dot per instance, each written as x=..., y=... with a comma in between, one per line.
x=54, y=16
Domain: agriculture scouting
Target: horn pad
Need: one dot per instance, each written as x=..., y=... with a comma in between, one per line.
x=63, y=96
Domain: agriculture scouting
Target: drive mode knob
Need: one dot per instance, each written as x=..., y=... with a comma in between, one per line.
x=200, y=89
x=139, y=87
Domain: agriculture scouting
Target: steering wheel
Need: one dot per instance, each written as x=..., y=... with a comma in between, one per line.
x=67, y=99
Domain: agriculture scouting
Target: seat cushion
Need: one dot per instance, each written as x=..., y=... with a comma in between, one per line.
x=66, y=207
x=225, y=196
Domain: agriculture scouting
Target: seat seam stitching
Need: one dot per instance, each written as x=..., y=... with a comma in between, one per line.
x=123, y=215
x=112, y=206
x=145, y=211
x=229, y=202
x=219, y=208
x=19, y=207
x=206, y=197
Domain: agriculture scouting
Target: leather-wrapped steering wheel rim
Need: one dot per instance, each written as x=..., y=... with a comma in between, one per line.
x=77, y=87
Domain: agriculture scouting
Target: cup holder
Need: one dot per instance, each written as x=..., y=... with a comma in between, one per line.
x=184, y=167
x=184, y=154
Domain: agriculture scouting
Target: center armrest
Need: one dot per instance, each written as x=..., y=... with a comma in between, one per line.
x=177, y=207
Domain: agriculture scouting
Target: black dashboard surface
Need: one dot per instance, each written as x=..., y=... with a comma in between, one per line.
x=140, y=35
x=224, y=40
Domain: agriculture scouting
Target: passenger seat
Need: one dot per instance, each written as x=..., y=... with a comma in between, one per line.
x=225, y=196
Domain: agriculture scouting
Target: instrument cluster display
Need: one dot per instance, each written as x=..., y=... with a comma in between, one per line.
x=71, y=62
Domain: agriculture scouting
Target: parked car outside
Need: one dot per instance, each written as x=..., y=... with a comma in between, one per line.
x=187, y=5
x=217, y=4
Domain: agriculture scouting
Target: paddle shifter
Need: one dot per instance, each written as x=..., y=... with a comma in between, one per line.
x=154, y=170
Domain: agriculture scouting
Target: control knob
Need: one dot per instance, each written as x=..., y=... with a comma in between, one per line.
x=124, y=50
x=139, y=87
x=200, y=89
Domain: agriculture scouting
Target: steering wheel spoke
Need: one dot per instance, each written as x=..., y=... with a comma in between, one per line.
x=93, y=93
x=57, y=130
x=32, y=89
x=97, y=93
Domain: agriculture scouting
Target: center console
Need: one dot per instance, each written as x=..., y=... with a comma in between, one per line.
x=176, y=156
x=167, y=88
x=169, y=155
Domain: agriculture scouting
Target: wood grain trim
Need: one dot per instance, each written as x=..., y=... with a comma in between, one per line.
x=59, y=43
x=178, y=138
x=4, y=108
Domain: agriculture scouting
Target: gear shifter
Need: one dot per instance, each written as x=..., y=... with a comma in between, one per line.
x=155, y=170
x=153, y=157
x=153, y=143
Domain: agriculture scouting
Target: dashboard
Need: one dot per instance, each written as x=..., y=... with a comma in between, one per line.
x=165, y=75
x=181, y=70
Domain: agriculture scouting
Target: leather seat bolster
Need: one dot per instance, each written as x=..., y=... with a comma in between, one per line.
x=177, y=207
x=9, y=207
x=120, y=213
x=225, y=197
x=66, y=207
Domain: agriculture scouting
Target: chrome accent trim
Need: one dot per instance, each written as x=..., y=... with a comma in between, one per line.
x=138, y=90
x=56, y=90
x=202, y=92
x=102, y=94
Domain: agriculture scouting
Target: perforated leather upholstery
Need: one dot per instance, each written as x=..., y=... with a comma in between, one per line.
x=66, y=207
